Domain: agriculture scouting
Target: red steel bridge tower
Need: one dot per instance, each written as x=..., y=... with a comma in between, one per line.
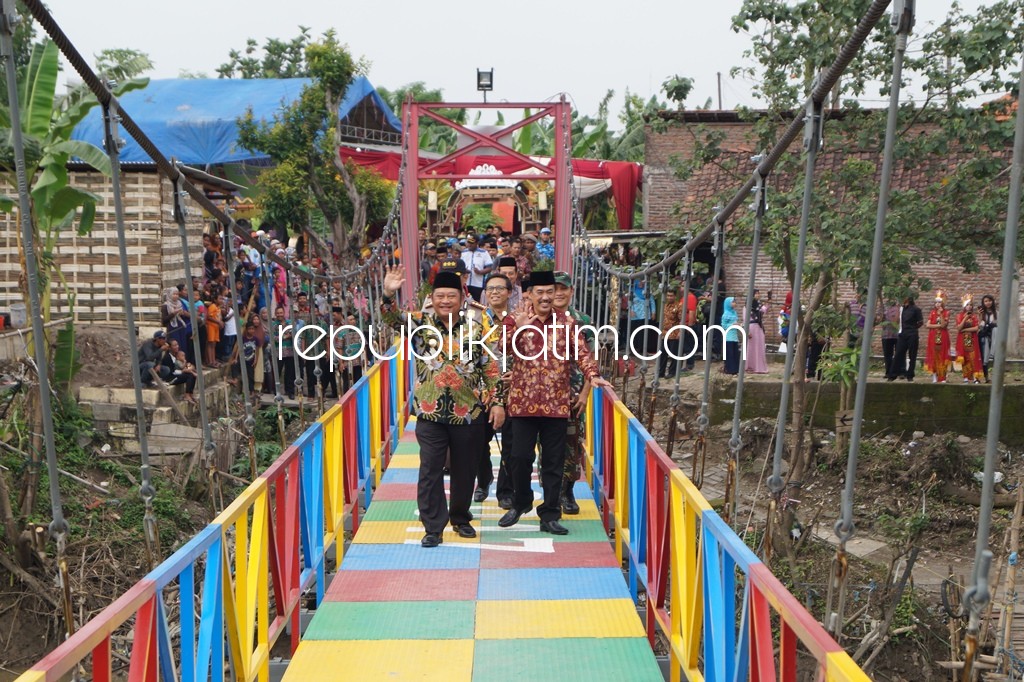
x=415, y=171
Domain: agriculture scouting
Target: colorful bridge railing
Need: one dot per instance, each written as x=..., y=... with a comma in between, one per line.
x=244, y=575
x=690, y=562
x=255, y=561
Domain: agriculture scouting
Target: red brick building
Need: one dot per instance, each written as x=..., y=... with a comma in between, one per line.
x=670, y=202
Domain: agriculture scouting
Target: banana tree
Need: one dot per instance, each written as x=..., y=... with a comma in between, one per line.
x=47, y=121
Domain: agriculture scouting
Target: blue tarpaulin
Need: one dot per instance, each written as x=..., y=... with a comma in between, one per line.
x=195, y=120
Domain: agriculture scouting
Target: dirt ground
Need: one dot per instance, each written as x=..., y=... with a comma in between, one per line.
x=921, y=480
x=105, y=357
x=912, y=490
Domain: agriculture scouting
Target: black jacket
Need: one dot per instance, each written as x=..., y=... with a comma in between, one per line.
x=911, y=320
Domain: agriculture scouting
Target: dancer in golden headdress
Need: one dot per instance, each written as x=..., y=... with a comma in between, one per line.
x=968, y=349
x=937, y=353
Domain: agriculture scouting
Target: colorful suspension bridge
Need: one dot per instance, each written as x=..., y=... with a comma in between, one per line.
x=230, y=602
x=314, y=571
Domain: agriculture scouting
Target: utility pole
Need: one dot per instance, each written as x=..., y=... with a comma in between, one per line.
x=719, y=90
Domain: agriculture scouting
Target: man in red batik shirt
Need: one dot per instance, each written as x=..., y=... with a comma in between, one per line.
x=542, y=346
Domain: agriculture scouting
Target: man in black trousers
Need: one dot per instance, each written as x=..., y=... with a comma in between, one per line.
x=544, y=346
x=458, y=390
x=911, y=320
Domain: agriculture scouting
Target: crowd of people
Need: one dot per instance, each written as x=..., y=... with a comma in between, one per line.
x=266, y=299
x=960, y=342
x=534, y=395
x=531, y=397
x=480, y=254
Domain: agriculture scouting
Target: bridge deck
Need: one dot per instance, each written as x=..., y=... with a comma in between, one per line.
x=510, y=602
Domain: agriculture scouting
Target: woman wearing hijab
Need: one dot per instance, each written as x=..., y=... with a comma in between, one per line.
x=176, y=318
x=732, y=337
x=757, y=354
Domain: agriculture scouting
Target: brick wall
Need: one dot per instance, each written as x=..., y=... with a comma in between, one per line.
x=91, y=264
x=667, y=197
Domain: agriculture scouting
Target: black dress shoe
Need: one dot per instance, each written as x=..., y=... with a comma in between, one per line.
x=431, y=540
x=511, y=517
x=553, y=527
x=505, y=502
x=465, y=530
x=480, y=495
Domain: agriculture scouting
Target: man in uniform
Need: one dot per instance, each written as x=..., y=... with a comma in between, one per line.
x=478, y=265
x=540, y=401
x=457, y=391
x=505, y=491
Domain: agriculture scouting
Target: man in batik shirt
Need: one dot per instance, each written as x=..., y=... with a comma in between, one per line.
x=540, y=401
x=458, y=390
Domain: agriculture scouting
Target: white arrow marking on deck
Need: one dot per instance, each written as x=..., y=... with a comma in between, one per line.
x=535, y=545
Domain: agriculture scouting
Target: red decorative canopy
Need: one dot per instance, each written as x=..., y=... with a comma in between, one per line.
x=626, y=177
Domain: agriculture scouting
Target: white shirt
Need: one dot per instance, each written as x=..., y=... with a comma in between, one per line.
x=476, y=259
x=230, y=324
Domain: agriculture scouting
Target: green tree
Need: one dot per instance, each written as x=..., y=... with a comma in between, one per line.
x=301, y=140
x=277, y=58
x=47, y=121
x=962, y=150
x=479, y=217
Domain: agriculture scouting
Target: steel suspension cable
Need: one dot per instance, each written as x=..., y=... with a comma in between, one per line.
x=275, y=364
x=103, y=93
x=58, y=527
x=978, y=595
x=180, y=214
x=902, y=21
x=662, y=349
x=249, y=423
x=113, y=143
x=684, y=317
x=813, y=144
x=732, y=482
x=318, y=386
x=700, y=444
x=819, y=93
x=293, y=289
x=645, y=362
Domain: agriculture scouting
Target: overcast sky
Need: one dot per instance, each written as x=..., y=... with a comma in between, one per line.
x=537, y=49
